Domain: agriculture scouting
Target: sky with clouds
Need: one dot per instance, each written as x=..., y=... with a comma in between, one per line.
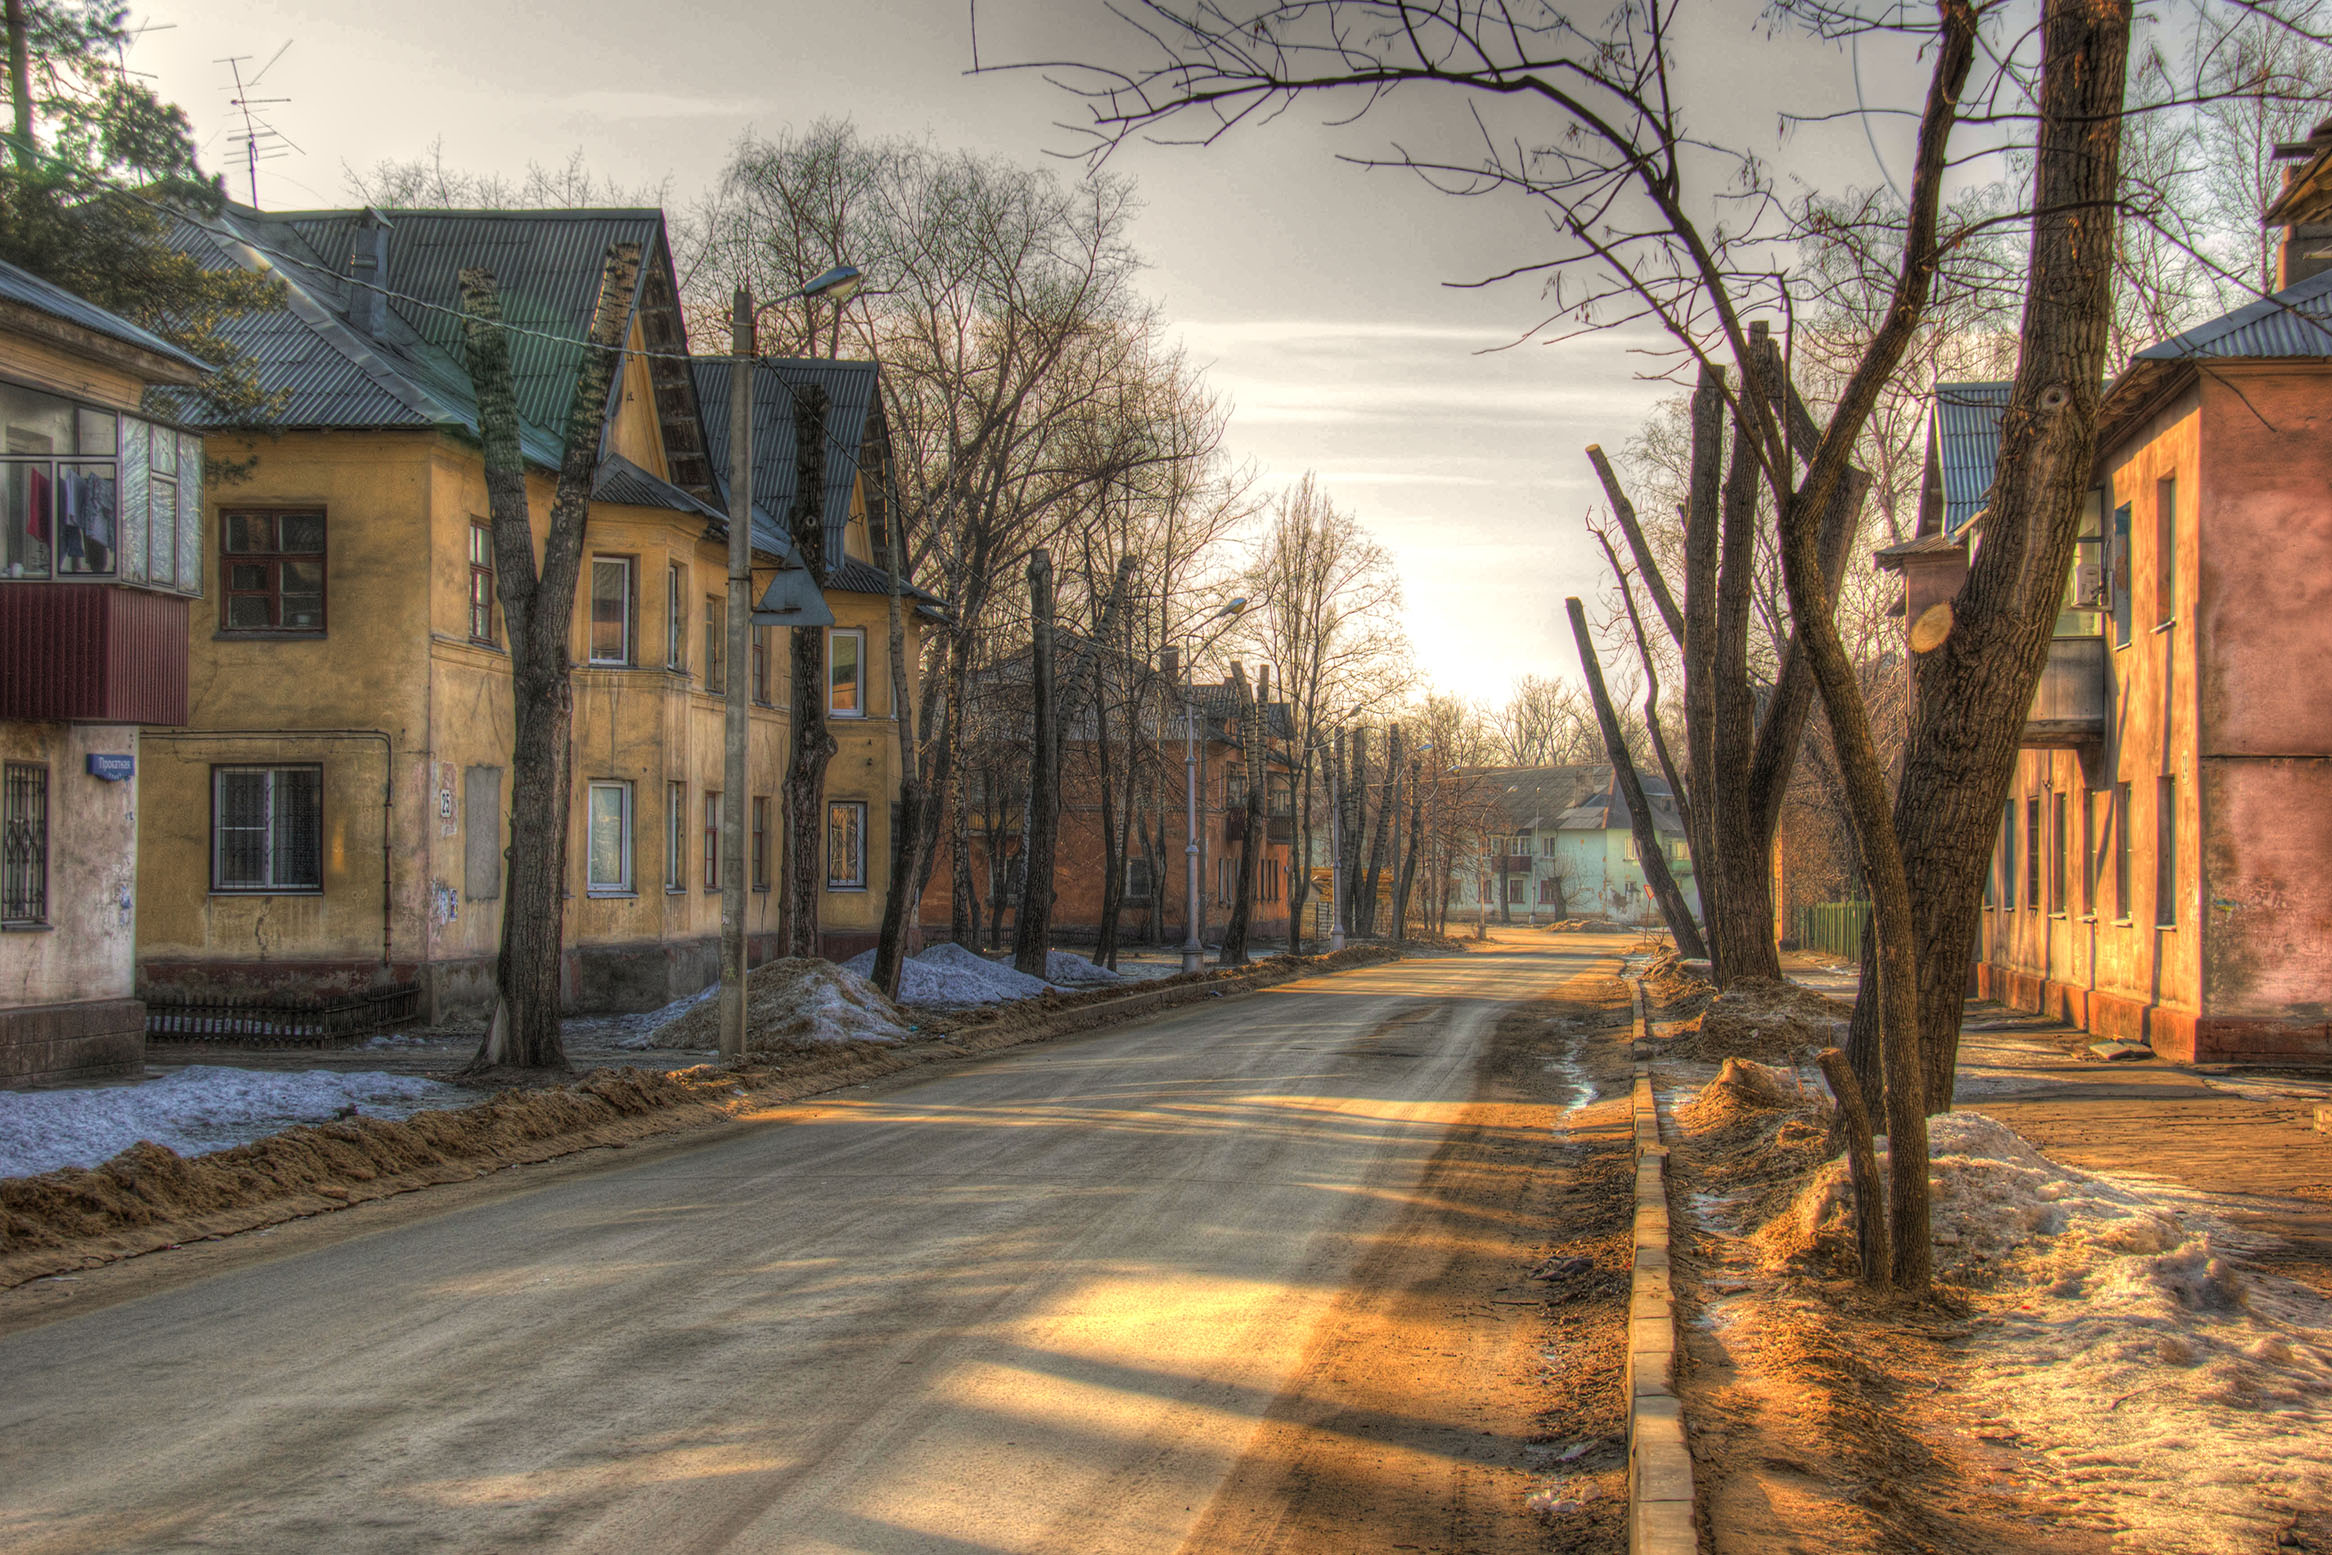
x=1319, y=292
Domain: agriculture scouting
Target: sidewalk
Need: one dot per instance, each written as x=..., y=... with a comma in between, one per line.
x=2245, y=1138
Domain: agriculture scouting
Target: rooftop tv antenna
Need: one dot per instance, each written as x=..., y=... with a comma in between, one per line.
x=130, y=36
x=260, y=140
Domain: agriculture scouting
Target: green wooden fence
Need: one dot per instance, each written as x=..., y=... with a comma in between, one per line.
x=1832, y=926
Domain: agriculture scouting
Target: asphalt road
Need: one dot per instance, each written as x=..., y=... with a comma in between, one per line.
x=1036, y=1302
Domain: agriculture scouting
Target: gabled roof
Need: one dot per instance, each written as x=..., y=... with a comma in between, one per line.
x=1581, y=797
x=2293, y=325
x=854, y=427
x=22, y=286
x=2296, y=321
x=622, y=482
x=410, y=373
x=1965, y=443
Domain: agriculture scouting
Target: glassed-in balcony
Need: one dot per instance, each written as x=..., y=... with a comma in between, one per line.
x=2069, y=707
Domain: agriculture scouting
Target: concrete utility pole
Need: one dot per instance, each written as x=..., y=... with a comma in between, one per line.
x=737, y=726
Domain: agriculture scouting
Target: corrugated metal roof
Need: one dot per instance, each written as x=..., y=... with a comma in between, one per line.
x=856, y=577
x=1967, y=436
x=621, y=481
x=23, y=286
x=546, y=265
x=2296, y=321
x=851, y=400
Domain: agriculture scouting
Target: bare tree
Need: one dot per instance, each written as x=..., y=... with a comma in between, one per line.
x=538, y=608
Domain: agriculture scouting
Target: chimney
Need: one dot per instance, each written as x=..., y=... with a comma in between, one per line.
x=368, y=275
x=2304, y=212
x=1170, y=664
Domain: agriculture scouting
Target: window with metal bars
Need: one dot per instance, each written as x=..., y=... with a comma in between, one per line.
x=267, y=828
x=24, y=846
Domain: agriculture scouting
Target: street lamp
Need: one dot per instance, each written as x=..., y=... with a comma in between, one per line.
x=1193, y=952
x=837, y=283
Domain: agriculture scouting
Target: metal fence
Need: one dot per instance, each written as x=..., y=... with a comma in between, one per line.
x=270, y=1021
x=1836, y=927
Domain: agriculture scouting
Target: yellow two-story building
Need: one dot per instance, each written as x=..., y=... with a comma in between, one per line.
x=332, y=818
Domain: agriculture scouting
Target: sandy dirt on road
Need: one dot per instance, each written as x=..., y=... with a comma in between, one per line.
x=1466, y=1392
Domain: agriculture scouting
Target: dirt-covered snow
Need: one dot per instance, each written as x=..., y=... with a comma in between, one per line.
x=789, y=1002
x=1066, y=969
x=196, y=1110
x=2165, y=1396
x=947, y=976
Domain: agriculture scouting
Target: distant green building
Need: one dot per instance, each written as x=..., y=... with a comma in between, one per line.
x=1565, y=847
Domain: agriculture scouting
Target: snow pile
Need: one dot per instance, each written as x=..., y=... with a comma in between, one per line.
x=1064, y=970
x=2187, y=1399
x=197, y=1110
x=788, y=1003
x=634, y=1030
x=947, y=976
x=1760, y=1018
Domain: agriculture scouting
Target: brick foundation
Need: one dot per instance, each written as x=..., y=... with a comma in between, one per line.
x=88, y=1040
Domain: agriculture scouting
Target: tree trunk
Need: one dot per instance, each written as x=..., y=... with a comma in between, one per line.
x=1299, y=887
x=1032, y=921
x=1377, y=831
x=1251, y=756
x=1699, y=647
x=1647, y=835
x=1971, y=695
x=813, y=745
x=20, y=86
x=538, y=614
x=902, y=904
x=1408, y=875
x=1862, y=1165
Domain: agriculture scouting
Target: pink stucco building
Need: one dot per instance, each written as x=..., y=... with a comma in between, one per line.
x=2164, y=868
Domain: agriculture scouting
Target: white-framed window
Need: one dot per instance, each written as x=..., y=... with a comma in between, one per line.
x=675, y=836
x=846, y=672
x=611, y=610
x=608, y=849
x=845, y=845
x=267, y=828
x=1628, y=849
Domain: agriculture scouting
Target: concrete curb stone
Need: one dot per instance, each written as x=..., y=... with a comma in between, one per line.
x=1660, y=1508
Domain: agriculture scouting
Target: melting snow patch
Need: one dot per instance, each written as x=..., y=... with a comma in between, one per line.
x=195, y=1111
x=1073, y=971
x=2121, y=1340
x=788, y=1002
x=949, y=976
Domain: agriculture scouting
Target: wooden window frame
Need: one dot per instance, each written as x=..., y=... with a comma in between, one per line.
x=2166, y=550
x=676, y=616
x=675, y=837
x=716, y=645
x=712, y=839
x=2166, y=874
x=757, y=644
x=759, y=821
x=482, y=599
x=834, y=880
x=2032, y=854
x=2121, y=854
x=857, y=635
x=631, y=610
x=629, y=822
x=273, y=561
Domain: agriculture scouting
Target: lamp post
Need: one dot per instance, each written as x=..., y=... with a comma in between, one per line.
x=1193, y=952
x=837, y=283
